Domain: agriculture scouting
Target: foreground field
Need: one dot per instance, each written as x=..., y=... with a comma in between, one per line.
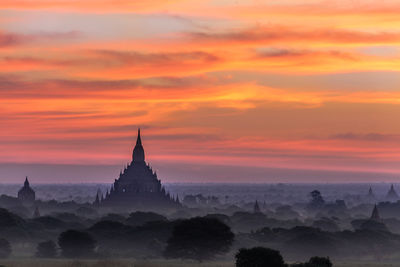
x=150, y=263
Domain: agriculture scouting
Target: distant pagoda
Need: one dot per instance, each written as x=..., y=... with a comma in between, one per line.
x=371, y=193
x=375, y=214
x=370, y=197
x=26, y=194
x=392, y=194
x=138, y=186
x=256, y=208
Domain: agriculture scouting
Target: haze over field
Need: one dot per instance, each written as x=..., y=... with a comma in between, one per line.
x=224, y=91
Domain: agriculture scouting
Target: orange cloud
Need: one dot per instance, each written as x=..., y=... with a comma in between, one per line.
x=89, y=5
x=272, y=35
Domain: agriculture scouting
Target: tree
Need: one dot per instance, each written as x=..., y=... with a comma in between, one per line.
x=319, y=262
x=199, y=238
x=46, y=249
x=317, y=201
x=75, y=244
x=259, y=256
x=5, y=248
x=140, y=218
x=315, y=262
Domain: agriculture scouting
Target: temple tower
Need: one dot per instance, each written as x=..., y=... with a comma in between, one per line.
x=138, y=186
x=392, y=194
x=26, y=194
x=375, y=214
x=138, y=151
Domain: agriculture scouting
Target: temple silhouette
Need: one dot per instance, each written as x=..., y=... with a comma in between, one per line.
x=137, y=186
x=26, y=194
x=392, y=195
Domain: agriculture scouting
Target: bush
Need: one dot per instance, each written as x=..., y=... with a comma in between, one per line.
x=76, y=244
x=140, y=218
x=319, y=262
x=199, y=239
x=46, y=249
x=259, y=256
x=315, y=262
x=5, y=248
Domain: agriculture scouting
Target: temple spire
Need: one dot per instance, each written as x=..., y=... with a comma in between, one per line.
x=375, y=214
x=256, y=208
x=392, y=194
x=26, y=183
x=138, y=151
x=138, y=140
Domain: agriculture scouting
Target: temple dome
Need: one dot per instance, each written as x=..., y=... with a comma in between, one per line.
x=26, y=194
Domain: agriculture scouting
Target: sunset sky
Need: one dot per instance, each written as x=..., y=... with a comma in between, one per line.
x=224, y=91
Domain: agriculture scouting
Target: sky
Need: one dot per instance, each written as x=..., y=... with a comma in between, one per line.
x=224, y=91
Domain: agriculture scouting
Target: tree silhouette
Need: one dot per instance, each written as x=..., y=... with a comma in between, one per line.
x=259, y=256
x=75, y=244
x=199, y=238
x=317, y=201
x=46, y=249
x=5, y=248
x=319, y=262
x=139, y=218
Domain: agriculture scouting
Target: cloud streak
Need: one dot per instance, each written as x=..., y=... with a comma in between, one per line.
x=272, y=35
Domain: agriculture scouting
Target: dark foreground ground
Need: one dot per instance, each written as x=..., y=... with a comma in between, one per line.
x=150, y=263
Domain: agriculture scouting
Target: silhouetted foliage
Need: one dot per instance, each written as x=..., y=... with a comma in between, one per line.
x=67, y=217
x=221, y=217
x=286, y=212
x=76, y=244
x=259, y=256
x=326, y=224
x=8, y=219
x=309, y=243
x=85, y=211
x=108, y=226
x=199, y=238
x=373, y=225
x=46, y=249
x=110, y=230
x=317, y=200
x=315, y=262
x=50, y=222
x=5, y=248
x=139, y=218
x=247, y=221
x=113, y=217
x=319, y=262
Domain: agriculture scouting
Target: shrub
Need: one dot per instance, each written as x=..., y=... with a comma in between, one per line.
x=315, y=262
x=5, y=248
x=75, y=244
x=46, y=249
x=199, y=238
x=259, y=256
x=319, y=262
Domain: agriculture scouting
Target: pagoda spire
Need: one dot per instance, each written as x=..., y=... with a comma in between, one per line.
x=256, y=208
x=138, y=140
x=371, y=194
x=375, y=214
x=138, y=151
x=26, y=183
x=392, y=194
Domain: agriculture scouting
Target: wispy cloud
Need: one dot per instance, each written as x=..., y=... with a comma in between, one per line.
x=13, y=39
x=274, y=34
